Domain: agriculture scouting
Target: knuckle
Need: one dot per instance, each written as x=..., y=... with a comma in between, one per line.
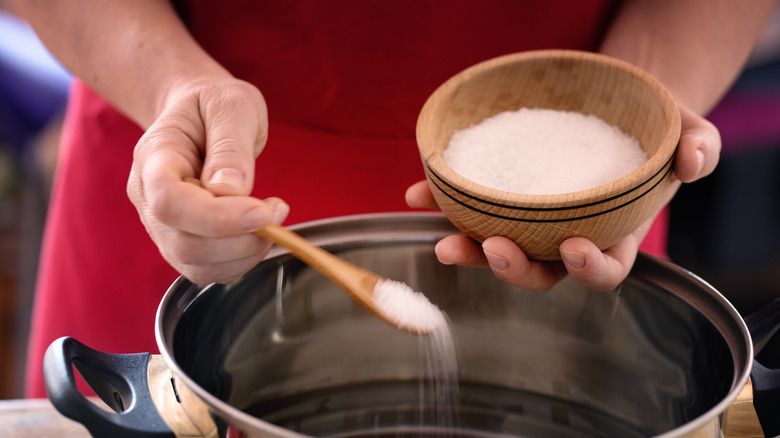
x=224, y=149
x=189, y=251
x=528, y=281
x=540, y=287
x=163, y=207
x=198, y=275
x=601, y=281
x=134, y=190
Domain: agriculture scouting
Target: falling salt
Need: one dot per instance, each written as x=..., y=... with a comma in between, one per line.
x=439, y=393
x=439, y=387
x=543, y=151
x=410, y=309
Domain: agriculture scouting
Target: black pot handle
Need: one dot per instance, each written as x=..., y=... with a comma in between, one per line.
x=120, y=380
x=763, y=326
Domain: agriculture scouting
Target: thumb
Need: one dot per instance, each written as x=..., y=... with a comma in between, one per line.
x=229, y=180
x=236, y=132
x=229, y=165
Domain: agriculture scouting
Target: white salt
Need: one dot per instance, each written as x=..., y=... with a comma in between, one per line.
x=439, y=387
x=410, y=309
x=543, y=151
x=439, y=391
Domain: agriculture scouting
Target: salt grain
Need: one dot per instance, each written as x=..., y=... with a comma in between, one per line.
x=412, y=310
x=543, y=151
x=439, y=393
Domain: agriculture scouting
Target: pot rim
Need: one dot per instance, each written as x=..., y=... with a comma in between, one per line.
x=718, y=310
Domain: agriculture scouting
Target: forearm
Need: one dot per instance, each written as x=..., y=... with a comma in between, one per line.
x=695, y=47
x=135, y=53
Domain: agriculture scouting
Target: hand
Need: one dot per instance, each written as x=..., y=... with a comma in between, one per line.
x=212, y=131
x=697, y=155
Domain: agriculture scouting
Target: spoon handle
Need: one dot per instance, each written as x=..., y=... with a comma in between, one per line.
x=358, y=282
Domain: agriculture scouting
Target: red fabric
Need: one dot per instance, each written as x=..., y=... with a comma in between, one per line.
x=366, y=69
x=100, y=274
x=344, y=82
x=656, y=240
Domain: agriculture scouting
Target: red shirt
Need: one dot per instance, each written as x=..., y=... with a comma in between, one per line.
x=344, y=82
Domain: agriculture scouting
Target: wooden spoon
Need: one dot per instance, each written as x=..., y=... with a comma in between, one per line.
x=359, y=283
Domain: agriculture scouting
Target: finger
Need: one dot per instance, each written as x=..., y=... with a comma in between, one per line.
x=236, y=130
x=186, y=207
x=460, y=250
x=699, y=149
x=419, y=195
x=511, y=265
x=221, y=273
x=190, y=249
x=598, y=271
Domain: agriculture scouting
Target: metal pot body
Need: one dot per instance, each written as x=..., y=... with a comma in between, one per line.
x=284, y=353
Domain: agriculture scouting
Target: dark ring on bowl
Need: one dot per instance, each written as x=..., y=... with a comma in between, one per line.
x=666, y=169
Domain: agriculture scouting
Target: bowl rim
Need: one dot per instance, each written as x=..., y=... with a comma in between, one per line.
x=661, y=161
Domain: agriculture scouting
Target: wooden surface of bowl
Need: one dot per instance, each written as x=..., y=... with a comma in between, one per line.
x=592, y=84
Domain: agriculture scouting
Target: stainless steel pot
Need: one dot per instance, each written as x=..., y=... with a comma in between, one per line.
x=283, y=353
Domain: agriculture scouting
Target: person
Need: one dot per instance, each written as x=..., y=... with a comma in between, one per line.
x=329, y=93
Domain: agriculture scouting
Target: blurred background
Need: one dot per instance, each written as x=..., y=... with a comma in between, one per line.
x=33, y=94
x=725, y=228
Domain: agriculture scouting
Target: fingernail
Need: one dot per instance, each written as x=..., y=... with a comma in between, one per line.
x=254, y=219
x=227, y=176
x=280, y=212
x=700, y=161
x=573, y=259
x=496, y=261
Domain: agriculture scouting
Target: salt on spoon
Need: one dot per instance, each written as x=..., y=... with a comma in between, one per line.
x=411, y=309
x=393, y=301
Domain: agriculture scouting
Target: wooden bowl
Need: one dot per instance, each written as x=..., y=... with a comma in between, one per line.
x=615, y=91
